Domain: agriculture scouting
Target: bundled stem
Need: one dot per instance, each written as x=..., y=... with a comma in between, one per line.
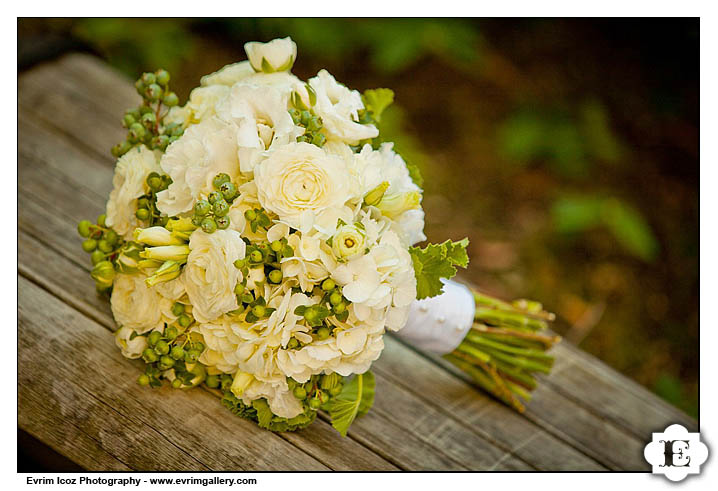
x=505, y=348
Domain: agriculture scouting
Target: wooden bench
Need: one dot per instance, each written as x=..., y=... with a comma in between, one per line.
x=78, y=395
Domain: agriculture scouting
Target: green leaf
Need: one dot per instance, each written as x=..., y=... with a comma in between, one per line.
x=376, y=100
x=355, y=400
x=437, y=261
x=264, y=414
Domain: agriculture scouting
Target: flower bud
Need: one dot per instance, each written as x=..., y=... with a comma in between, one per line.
x=183, y=224
x=242, y=380
x=394, y=205
x=103, y=273
x=156, y=236
x=275, y=56
x=177, y=253
x=168, y=271
x=374, y=196
x=131, y=346
x=347, y=242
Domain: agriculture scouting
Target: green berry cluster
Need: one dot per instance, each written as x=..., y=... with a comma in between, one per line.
x=211, y=214
x=312, y=125
x=260, y=255
x=147, y=204
x=332, y=303
x=104, y=246
x=173, y=349
x=145, y=123
x=318, y=391
x=257, y=219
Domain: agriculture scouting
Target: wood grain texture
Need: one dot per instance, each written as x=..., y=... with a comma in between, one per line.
x=427, y=415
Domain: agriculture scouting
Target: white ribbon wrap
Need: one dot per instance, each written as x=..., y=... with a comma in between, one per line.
x=439, y=324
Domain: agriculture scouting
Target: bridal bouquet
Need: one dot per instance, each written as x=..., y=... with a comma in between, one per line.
x=259, y=242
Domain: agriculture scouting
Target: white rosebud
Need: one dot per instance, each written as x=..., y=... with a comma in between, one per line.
x=277, y=55
x=156, y=236
x=166, y=253
x=347, y=242
x=132, y=347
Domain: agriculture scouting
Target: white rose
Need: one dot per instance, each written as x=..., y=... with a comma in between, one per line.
x=204, y=150
x=299, y=182
x=338, y=107
x=137, y=306
x=131, y=348
x=260, y=114
x=203, y=101
x=129, y=184
x=210, y=275
x=277, y=55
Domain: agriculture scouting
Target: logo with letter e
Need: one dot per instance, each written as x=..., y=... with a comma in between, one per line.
x=676, y=453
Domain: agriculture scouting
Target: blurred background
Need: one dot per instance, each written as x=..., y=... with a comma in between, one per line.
x=565, y=149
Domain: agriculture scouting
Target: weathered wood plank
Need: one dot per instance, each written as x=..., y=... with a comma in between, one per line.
x=70, y=373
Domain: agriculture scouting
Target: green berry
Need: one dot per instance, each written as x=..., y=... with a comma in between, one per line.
x=170, y=99
x=177, y=353
x=167, y=361
x=209, y=225
x=323, y=332
x=83, y=228
x=148, y=78
x=335, y=298
x=339, y=308
x=143, y=380
x=192, y=355
x=162, y=76
x=101, y=220
x=240, y=263
x=221, y=208
x=215, y=196
x=111, y=236
x=143, y=203
x=328, y=285
x=149, y=355
x=153, y=92
x=212, y=381
x=276, y=245
x=250, y=215
x=143, y=214
x=315, y=403
x=154, y=337
x=259, y=310
x=256, y=256
x=228, y=190
x=155, y=183
x=222, y=222
x=104, y=246
x=171, y=333
x=137, y=131
x=201, y=208
x=238, y=289
x=300, y=393
x=293, y=343
x=311, y=315
x=184, y=320
x=197, y=221
x=275, y=276
x=177, y=309
x=220, y=179
x=97, y=256
x=199, y=346
x=161, y=142
x=89, y=245
x=176, y=383
x=148, y=120
x=128, y=120
x=319, y=139
x=162, y=348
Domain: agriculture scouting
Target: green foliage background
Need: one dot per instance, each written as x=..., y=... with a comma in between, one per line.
x=566, y=150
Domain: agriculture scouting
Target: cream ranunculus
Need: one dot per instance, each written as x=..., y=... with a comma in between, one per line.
x=205, y=150
x=210, y=275
x=277, y=55
x=338, y=107
x=131, y=347
x=129, y=184
x=137, y=306
x=299, y=182
x=260, y=114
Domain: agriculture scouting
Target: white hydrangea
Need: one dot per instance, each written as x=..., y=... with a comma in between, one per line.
x=129, y=184
x=137, y=306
